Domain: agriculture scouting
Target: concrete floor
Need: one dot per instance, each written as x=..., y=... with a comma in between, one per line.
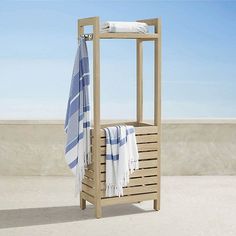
x=190, y=206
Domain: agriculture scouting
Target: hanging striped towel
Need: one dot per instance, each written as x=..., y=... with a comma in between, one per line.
x=121, y=158
x=77, y=123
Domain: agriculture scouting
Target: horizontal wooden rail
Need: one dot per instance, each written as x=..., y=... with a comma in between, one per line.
x=127, y=36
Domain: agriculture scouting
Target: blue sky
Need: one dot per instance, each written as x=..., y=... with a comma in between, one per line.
x=38, y=45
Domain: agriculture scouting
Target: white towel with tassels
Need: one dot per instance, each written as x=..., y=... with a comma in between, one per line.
x=124, y=27
x=121, y=158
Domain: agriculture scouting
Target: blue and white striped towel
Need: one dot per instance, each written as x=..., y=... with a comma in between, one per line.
x=77, y=123
x=121, y=158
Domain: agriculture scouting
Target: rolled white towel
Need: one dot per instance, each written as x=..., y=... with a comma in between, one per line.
x=124, y=27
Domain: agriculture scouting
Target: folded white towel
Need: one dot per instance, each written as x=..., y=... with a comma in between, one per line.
x=121, y=158
x=124, y=27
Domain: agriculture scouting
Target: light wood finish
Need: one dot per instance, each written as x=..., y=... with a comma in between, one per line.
x=88, y=197
x=89, y=182
x=96, y=115
x=139, y=139
x=139, y=68
x=157, y=90
x=128, y=36
x=94, y=21
x=157, y=110
x=88, y=21
x=138, y=181
x=128, y=199
x=142, y=164
x=142, y=156
x=88, y=189
x=150, y=22
x=137, y=173
x=141, y=147
x=136, y=190
x=81, y=31
x=144, y=130
x=82, y=203
x=144, y=183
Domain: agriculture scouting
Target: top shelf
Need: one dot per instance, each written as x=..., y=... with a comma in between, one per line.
x=127, y=36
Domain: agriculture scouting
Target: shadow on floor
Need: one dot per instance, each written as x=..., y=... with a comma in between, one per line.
x=51, y=215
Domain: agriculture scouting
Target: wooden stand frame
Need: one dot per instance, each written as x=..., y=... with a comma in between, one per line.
x=145, y=182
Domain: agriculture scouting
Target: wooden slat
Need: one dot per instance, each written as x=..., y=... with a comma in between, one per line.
x=144, y=172
x=139, y=139
x=148, y=155
x=141, y=148
x=88, y=182
x=90, y=167
x=147, y=147
x=136, y=190
x=140, y=124
x=89, y=174
x=87, y=197
x=138, y=181
x=127, y=36
x=88, y=190
x=144, y=130
x=108, y=123
x=128, y=199
x=137, y=173
x=143, y=181
x=120, y=122
x=148, y=163
x=142, y=156
x=142, y=164
x=147, y=138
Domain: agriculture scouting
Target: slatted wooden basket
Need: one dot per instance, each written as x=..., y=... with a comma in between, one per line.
x=144, y=183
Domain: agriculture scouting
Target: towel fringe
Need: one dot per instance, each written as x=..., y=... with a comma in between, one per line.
x=118, y=170
x=80, y=173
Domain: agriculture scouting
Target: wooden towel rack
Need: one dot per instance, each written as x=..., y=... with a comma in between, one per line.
x=145, y=182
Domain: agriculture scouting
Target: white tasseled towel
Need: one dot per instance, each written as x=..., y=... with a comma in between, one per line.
x=121, y=158
x=124, y=27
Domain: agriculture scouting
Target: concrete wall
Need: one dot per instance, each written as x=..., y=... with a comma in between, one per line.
x=197, y=147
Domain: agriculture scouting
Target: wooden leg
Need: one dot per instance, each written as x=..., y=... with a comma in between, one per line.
x=156, y=204
x=98, y=211
x=82, y=203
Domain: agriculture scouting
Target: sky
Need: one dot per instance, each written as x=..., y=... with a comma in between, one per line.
x=38, y=41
